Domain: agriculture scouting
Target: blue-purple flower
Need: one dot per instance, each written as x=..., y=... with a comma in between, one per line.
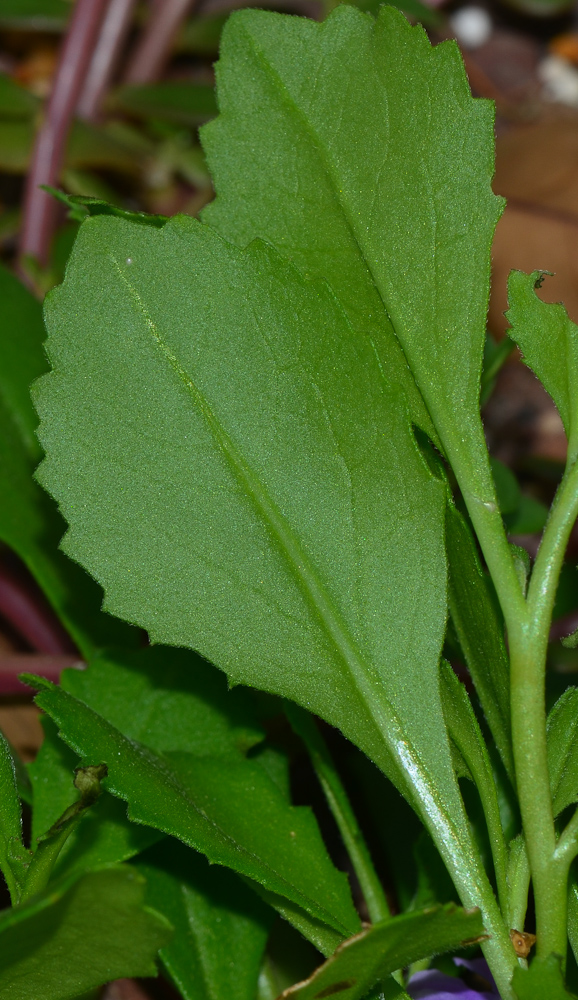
x=434, y=985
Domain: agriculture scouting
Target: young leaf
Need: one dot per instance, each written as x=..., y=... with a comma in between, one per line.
x=548, y=340
x=221, y=928
x=563, y=750
x=280, y=499
x=79, y=935
x=29, y=523
x=383, y=129
x=105, y=836
x=210, y=803
x=369, y=957
x=480, y=630
x=14, y=857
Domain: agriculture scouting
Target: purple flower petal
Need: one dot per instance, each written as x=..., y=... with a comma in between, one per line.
x=434, y=985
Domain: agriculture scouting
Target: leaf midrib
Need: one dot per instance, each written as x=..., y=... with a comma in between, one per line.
x=373, y=695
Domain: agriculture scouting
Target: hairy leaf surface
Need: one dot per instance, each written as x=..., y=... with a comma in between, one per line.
x=356, y=149
x=78, y=935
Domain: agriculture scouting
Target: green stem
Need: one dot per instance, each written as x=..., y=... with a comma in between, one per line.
x=304, y=725
x=528, y=638
x=87, y=780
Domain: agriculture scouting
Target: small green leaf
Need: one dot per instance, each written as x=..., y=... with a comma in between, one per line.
x=168, y=699
x=180, y=102
x=529, y=519
x=507, y=488
x=14, y=858
x=480, y=630
x=542, y=981
x=562, y=728
x=15, y=101
x=221, y=928
x=86, y=781
x=573, y=911
x=105, y=836
x=369, y=957
x=465, y=733
x=79, y=935
x=210, y=803
x=548, y=340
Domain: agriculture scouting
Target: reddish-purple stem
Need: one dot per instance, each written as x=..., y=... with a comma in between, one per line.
x=26, y=611
x=14, y=664
x=39, y=210
x=154, y=45
x=115, y=27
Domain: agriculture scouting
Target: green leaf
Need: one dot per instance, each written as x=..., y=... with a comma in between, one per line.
x=548, y=340
x=29, y=522
x=562, y=729
x=14, y=857
x=210, y=803
x=280, y=490
x=465, y=733
x=105, y=836
x=369, y=957
x=542, y=981
x=507, y=488
x=15, y=101
x=573, y=910
x=221, y=928
x=180, y=102
x=480, y=630
x=87, y=781
x=529, y=519
x=168, y=699
x=81, y=934
x=35, y=15
x=356, y=149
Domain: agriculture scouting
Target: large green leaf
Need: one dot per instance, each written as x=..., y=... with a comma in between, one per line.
x=549, y=342
x=211, y=804
x=80, y=934
x=262, y=493
x=221, y=928
x=563, y=750
x=13, y=855
x=369, y=957
x=29, y=522
x=356, y=149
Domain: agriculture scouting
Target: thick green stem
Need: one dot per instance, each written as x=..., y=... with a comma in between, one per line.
x=340, y=806
x=528, y=646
